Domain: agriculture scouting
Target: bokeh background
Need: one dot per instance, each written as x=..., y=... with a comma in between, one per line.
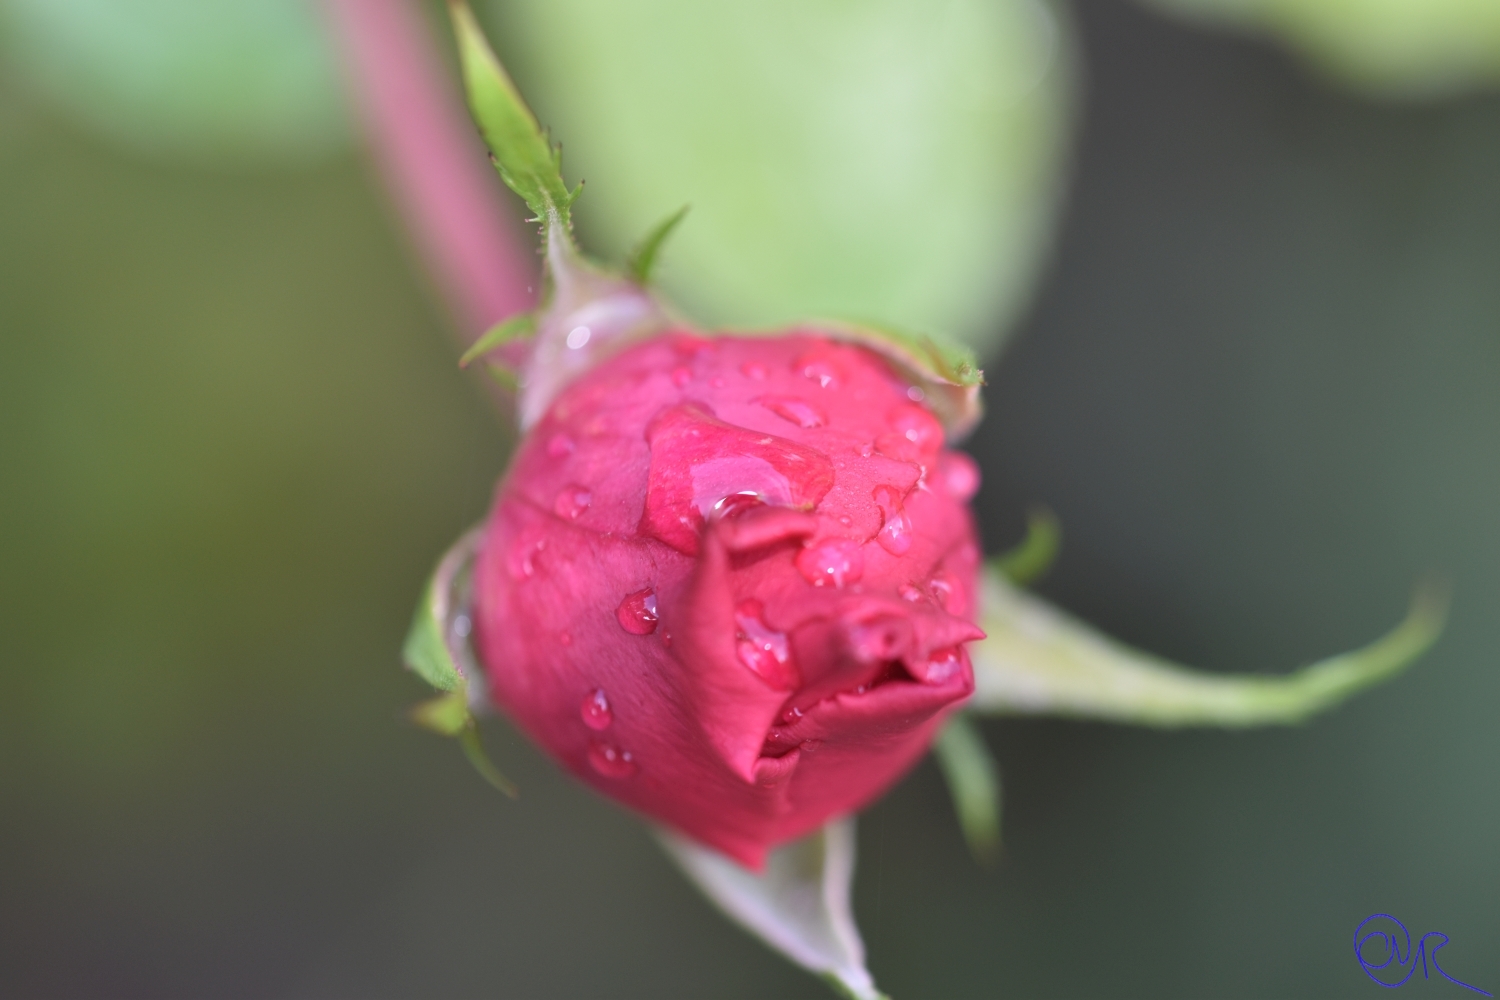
x=1260, y=384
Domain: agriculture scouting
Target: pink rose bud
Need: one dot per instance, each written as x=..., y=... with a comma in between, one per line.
x=728, y=582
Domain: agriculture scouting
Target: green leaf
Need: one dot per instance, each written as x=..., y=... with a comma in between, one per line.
x=436, y=648
x=504, y=332
x=643, y=257
x=974, y=782
x=800, y=904
x=1039, y=660
x=528, y=162
x=1027, y=562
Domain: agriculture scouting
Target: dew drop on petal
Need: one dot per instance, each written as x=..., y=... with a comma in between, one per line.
x=943, y=665
x=610, y=761
x=560, y=446
x=566, y=638
x=909, y=593
x=915, y=394
x=596, y=711
x=942, y=589
x=832, y=562
x=736, y=503
x=754, y=369
x=522, y=562
x=764, y=650
x=637, y=613
x=578, y=337
x=895, y=534
x=794, y=410
x=808, y=746
x=790, y=716
x=462, y=626
x=681, y=376
x=867, y=449
x=821, y=373
x=572, y=500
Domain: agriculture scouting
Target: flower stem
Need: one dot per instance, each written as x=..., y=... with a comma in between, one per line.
x=434, y=166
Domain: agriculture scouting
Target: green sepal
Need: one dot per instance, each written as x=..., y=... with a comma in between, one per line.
x=974, y=783
x=468, y=738
x=517, y=327
x=527, y=161
x=643, y=256
x=446, y=715
x=947, y=373
x=1036, y=659
x=1036, y=553
x=800, y=903
x=437, y=650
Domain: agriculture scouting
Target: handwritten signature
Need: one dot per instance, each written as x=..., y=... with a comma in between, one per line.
x=1392, y=948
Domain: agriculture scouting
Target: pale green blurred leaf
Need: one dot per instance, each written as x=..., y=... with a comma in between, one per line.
x=800, y=904
x=974, y=782
x=1396, y=48
x=1037, y=659
x=229, y=79
x=1029, y=560
x=888, y=160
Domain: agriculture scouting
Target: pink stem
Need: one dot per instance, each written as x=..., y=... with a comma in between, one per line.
x=435, y=167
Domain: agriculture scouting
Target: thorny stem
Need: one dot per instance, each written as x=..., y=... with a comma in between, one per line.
x=434, y=166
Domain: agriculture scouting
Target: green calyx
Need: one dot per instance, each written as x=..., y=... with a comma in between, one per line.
x=437, y=650
x=527, y=161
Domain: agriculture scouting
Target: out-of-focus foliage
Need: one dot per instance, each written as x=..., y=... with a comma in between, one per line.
x=894, y=160
x=1398, y=48
x=226, y=79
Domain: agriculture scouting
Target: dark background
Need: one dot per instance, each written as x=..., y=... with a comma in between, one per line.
x=1261, y=386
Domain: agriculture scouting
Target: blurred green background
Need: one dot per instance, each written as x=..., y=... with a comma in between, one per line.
x=1260, y=385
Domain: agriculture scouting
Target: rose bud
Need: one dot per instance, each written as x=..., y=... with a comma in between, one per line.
x=728, y=581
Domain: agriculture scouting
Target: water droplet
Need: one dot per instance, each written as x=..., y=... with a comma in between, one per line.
x=915, y=394
x=808, y=746
x=572, y=501
x=595, y=711
x=764, y=650
x=845, y=520
x=866, y=450
x=566, y=638
x=681, y=376
x=914, y=433
x=611, y=761
x=958, y=475
x=637, y=613
x=462, y=626
x=737, y=503
x=754, y=369
x=943, y=665
x=560, y=446
x=578, y=337
x=895, y=534
x=790, y=716
x=523, y=556
x=794, y=410
x=942, y=589
x=820, y=372
x=698, y=460
x=909, y=593
x=833, y=561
